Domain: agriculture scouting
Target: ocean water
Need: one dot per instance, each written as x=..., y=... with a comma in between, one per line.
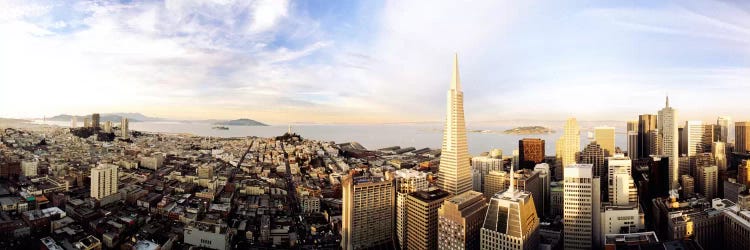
x=370, y=136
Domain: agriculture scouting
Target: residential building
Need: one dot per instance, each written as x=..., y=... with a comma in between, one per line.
x=104, y=180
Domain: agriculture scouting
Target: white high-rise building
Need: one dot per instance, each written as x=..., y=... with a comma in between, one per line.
x=73, y=122
x=693, y=134
x=103, y=181
x=511, y=221
x=454, y=174
x=621, y=186
x=407, y=181
x=569, y=143
x=581, y=205
x=670, y=147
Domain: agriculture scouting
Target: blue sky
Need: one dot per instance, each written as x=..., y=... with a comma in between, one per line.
x=374, y=61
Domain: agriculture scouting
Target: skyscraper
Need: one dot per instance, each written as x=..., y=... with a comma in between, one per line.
x=742, y=137
x=422, y=226
x=367, y=212
x=407, y=181
x=725, y=125
x=454, y=174
x=73, y=122
x=95, y=120
x=580, y=205
x=708, y=177
x=646, y=124
x=668, y=134
x=103, y=181
x=620, y=183
x=605, y=136
x=511, y=221
x=124, y=131
x=693, y=134
x=632, y=129
x=594, y=154
x=569, y=143
x=545, y=180
x=531, y=152
x=460, y=219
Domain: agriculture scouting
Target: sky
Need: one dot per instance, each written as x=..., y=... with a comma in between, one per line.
x=319, y=61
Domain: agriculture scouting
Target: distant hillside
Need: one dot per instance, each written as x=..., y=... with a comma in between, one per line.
x=241, y=122
x=113, y=117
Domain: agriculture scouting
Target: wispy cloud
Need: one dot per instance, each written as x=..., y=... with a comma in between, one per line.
x=290, y=61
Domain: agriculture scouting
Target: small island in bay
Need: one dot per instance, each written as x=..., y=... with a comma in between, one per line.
x=241, y=122
x=528, y=130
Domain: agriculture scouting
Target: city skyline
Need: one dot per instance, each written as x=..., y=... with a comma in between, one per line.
x=322, y=62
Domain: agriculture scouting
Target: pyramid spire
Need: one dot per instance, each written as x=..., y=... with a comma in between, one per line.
x=667, y=100
x=456, y=80
x=512, y=189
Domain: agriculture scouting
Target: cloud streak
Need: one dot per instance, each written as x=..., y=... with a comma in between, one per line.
x=289, y=61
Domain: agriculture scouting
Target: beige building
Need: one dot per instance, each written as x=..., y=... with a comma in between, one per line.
x=569, y=143
x=422, y=223
x=454, y=173
x=605, y=136
x=407, y=181
x=124, y=131
x=736, y=229
x=367, y=212
x=103, y=181
x=494, y=182
x=460, y=219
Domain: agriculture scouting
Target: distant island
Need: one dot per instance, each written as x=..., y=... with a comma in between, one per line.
x=528, y=130
x=241, y=122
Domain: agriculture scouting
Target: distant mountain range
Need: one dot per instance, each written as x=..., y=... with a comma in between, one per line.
x=138, y=117
x=241, y=122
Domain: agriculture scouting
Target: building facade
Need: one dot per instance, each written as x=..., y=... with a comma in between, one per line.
x=367, y=212
x=103, y=181
x=581, y=202
x=422, y=226
x=454, y=173
x=460, y=221
x=531, y=152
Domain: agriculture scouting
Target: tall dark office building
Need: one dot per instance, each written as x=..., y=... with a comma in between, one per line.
x=646, y=124
x=741, y=134
x=95, y=120
x=530, y=152
x=594, y=154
